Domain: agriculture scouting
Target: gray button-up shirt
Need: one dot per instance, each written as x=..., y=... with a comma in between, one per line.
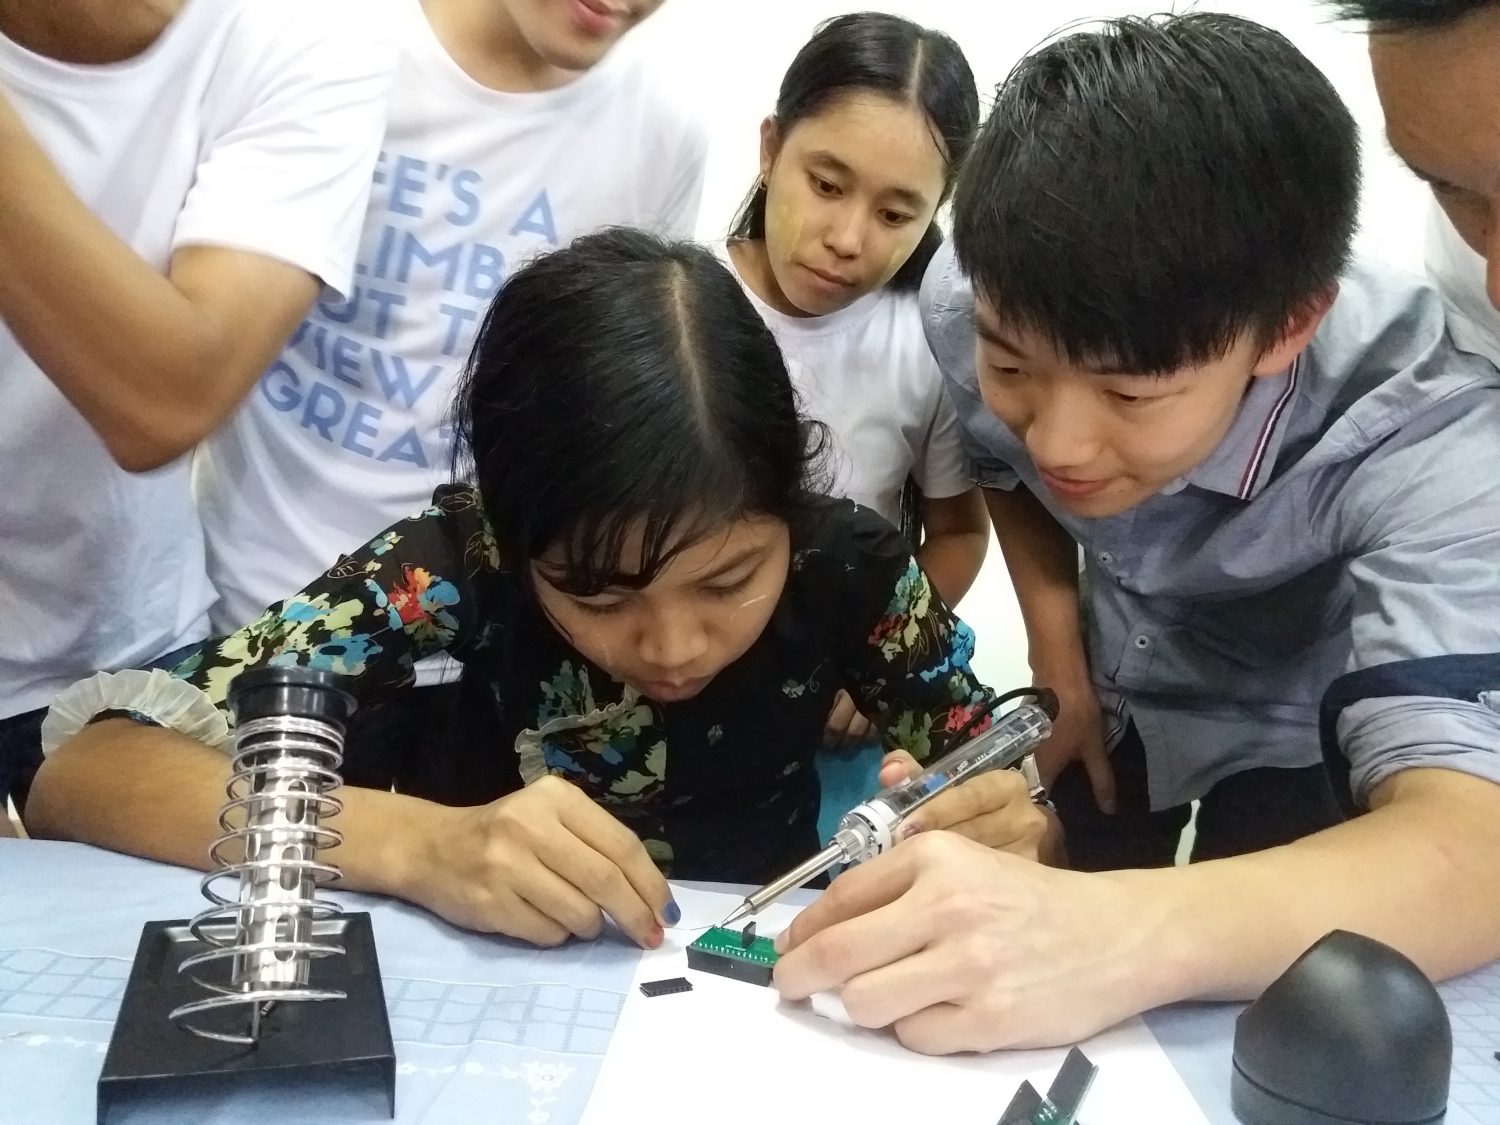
x=1351, y=517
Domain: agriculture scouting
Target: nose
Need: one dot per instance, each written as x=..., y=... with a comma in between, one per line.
x=1059, y=434
x=845, y=234
x=673, y=641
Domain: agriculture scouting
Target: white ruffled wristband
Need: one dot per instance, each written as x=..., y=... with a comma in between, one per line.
x=155, y=696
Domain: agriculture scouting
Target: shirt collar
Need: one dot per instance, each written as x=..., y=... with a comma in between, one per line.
x=1240, y=465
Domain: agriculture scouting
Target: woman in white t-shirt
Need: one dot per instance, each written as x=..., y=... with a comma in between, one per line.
x=872, y=119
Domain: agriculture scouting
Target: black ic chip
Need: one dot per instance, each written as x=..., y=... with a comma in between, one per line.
x=666, y=987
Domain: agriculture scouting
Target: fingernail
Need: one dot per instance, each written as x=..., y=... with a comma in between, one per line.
x=655, y=937
x=782, y=942
x=910, y=830
x=671, y=913
x=1109, y=808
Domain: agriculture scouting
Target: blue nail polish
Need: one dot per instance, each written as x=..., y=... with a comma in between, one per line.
x=672, y=913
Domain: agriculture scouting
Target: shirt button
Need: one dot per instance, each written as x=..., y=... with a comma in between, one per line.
x=1106, y=558
x=1142, y=641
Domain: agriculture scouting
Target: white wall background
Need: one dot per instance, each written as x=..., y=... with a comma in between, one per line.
x=734, y=53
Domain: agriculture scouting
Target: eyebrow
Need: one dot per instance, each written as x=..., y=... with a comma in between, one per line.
x=913, y=199
x=734, y=562
x=992, y=335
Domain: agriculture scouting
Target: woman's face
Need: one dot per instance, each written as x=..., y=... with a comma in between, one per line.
x=849, y=194
x=704, y=609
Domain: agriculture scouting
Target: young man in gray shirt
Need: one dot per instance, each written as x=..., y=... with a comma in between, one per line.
x=1285, y=481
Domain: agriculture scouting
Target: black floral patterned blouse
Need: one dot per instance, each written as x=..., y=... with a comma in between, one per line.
x=718, y=787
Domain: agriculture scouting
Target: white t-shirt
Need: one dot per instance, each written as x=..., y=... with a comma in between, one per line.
x=866, y=373
x=1459, y=274
x=250, y=124
x=349, y=431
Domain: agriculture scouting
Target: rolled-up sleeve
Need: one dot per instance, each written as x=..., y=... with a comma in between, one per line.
x=1382, y=737
x=1422, y=515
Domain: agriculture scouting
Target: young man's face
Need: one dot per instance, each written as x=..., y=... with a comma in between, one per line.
x=1104, y=441
x=1440, y=89
x=575, y=34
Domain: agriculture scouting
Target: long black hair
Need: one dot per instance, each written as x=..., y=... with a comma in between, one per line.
x=626, y=382
x=892, y=56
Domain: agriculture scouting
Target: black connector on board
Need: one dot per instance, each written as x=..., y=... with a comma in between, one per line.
x=727, y=953
x=1063, y=1100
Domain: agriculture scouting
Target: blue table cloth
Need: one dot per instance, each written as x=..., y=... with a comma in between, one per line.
x=486, y=1029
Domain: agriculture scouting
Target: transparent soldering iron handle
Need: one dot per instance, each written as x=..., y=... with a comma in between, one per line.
x=1009, y=740
x=869, y=828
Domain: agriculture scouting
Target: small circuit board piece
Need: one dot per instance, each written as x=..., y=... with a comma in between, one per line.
x=729, y=954
x=1064, y=1097
x=666, y=987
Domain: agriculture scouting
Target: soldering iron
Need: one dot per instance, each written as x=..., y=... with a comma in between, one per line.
x=870, y=827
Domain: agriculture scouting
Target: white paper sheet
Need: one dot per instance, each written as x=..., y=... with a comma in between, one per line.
x=729, y=1053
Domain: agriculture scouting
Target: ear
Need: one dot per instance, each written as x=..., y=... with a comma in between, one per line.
x=770, y=145
x=1298, y=332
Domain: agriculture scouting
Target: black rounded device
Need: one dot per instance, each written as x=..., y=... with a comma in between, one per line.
x=1352, y=1034
x=277, y=690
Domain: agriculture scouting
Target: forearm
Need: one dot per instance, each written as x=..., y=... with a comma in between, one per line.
x=155, y=793
x=149, y=367
x=1419, y=872
x=952, y=561
x=1042, y=560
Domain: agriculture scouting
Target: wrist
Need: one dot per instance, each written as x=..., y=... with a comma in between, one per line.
x=1062, y=671
x=389, y=842
x=1160, y=963
x=1183, y=945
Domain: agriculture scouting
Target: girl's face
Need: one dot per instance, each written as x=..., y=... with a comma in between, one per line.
x=849, y=194
x=705, y=608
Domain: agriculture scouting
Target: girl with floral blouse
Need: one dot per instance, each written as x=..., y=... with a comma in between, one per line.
x=658, y=607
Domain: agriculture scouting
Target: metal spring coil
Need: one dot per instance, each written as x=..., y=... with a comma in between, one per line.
x=283, y=770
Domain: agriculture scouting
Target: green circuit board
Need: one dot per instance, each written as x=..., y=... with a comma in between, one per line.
x=726, y=953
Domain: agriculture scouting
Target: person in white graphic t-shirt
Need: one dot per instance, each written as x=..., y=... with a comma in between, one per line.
x=871, y=121
x=177, y=178
x=515, y=126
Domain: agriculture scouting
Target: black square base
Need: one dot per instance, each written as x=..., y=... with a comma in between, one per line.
x=151, y=1056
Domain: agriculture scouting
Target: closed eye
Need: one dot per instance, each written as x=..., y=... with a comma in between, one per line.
x=1133, y=402
x=736, y=587
x=600, y=609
